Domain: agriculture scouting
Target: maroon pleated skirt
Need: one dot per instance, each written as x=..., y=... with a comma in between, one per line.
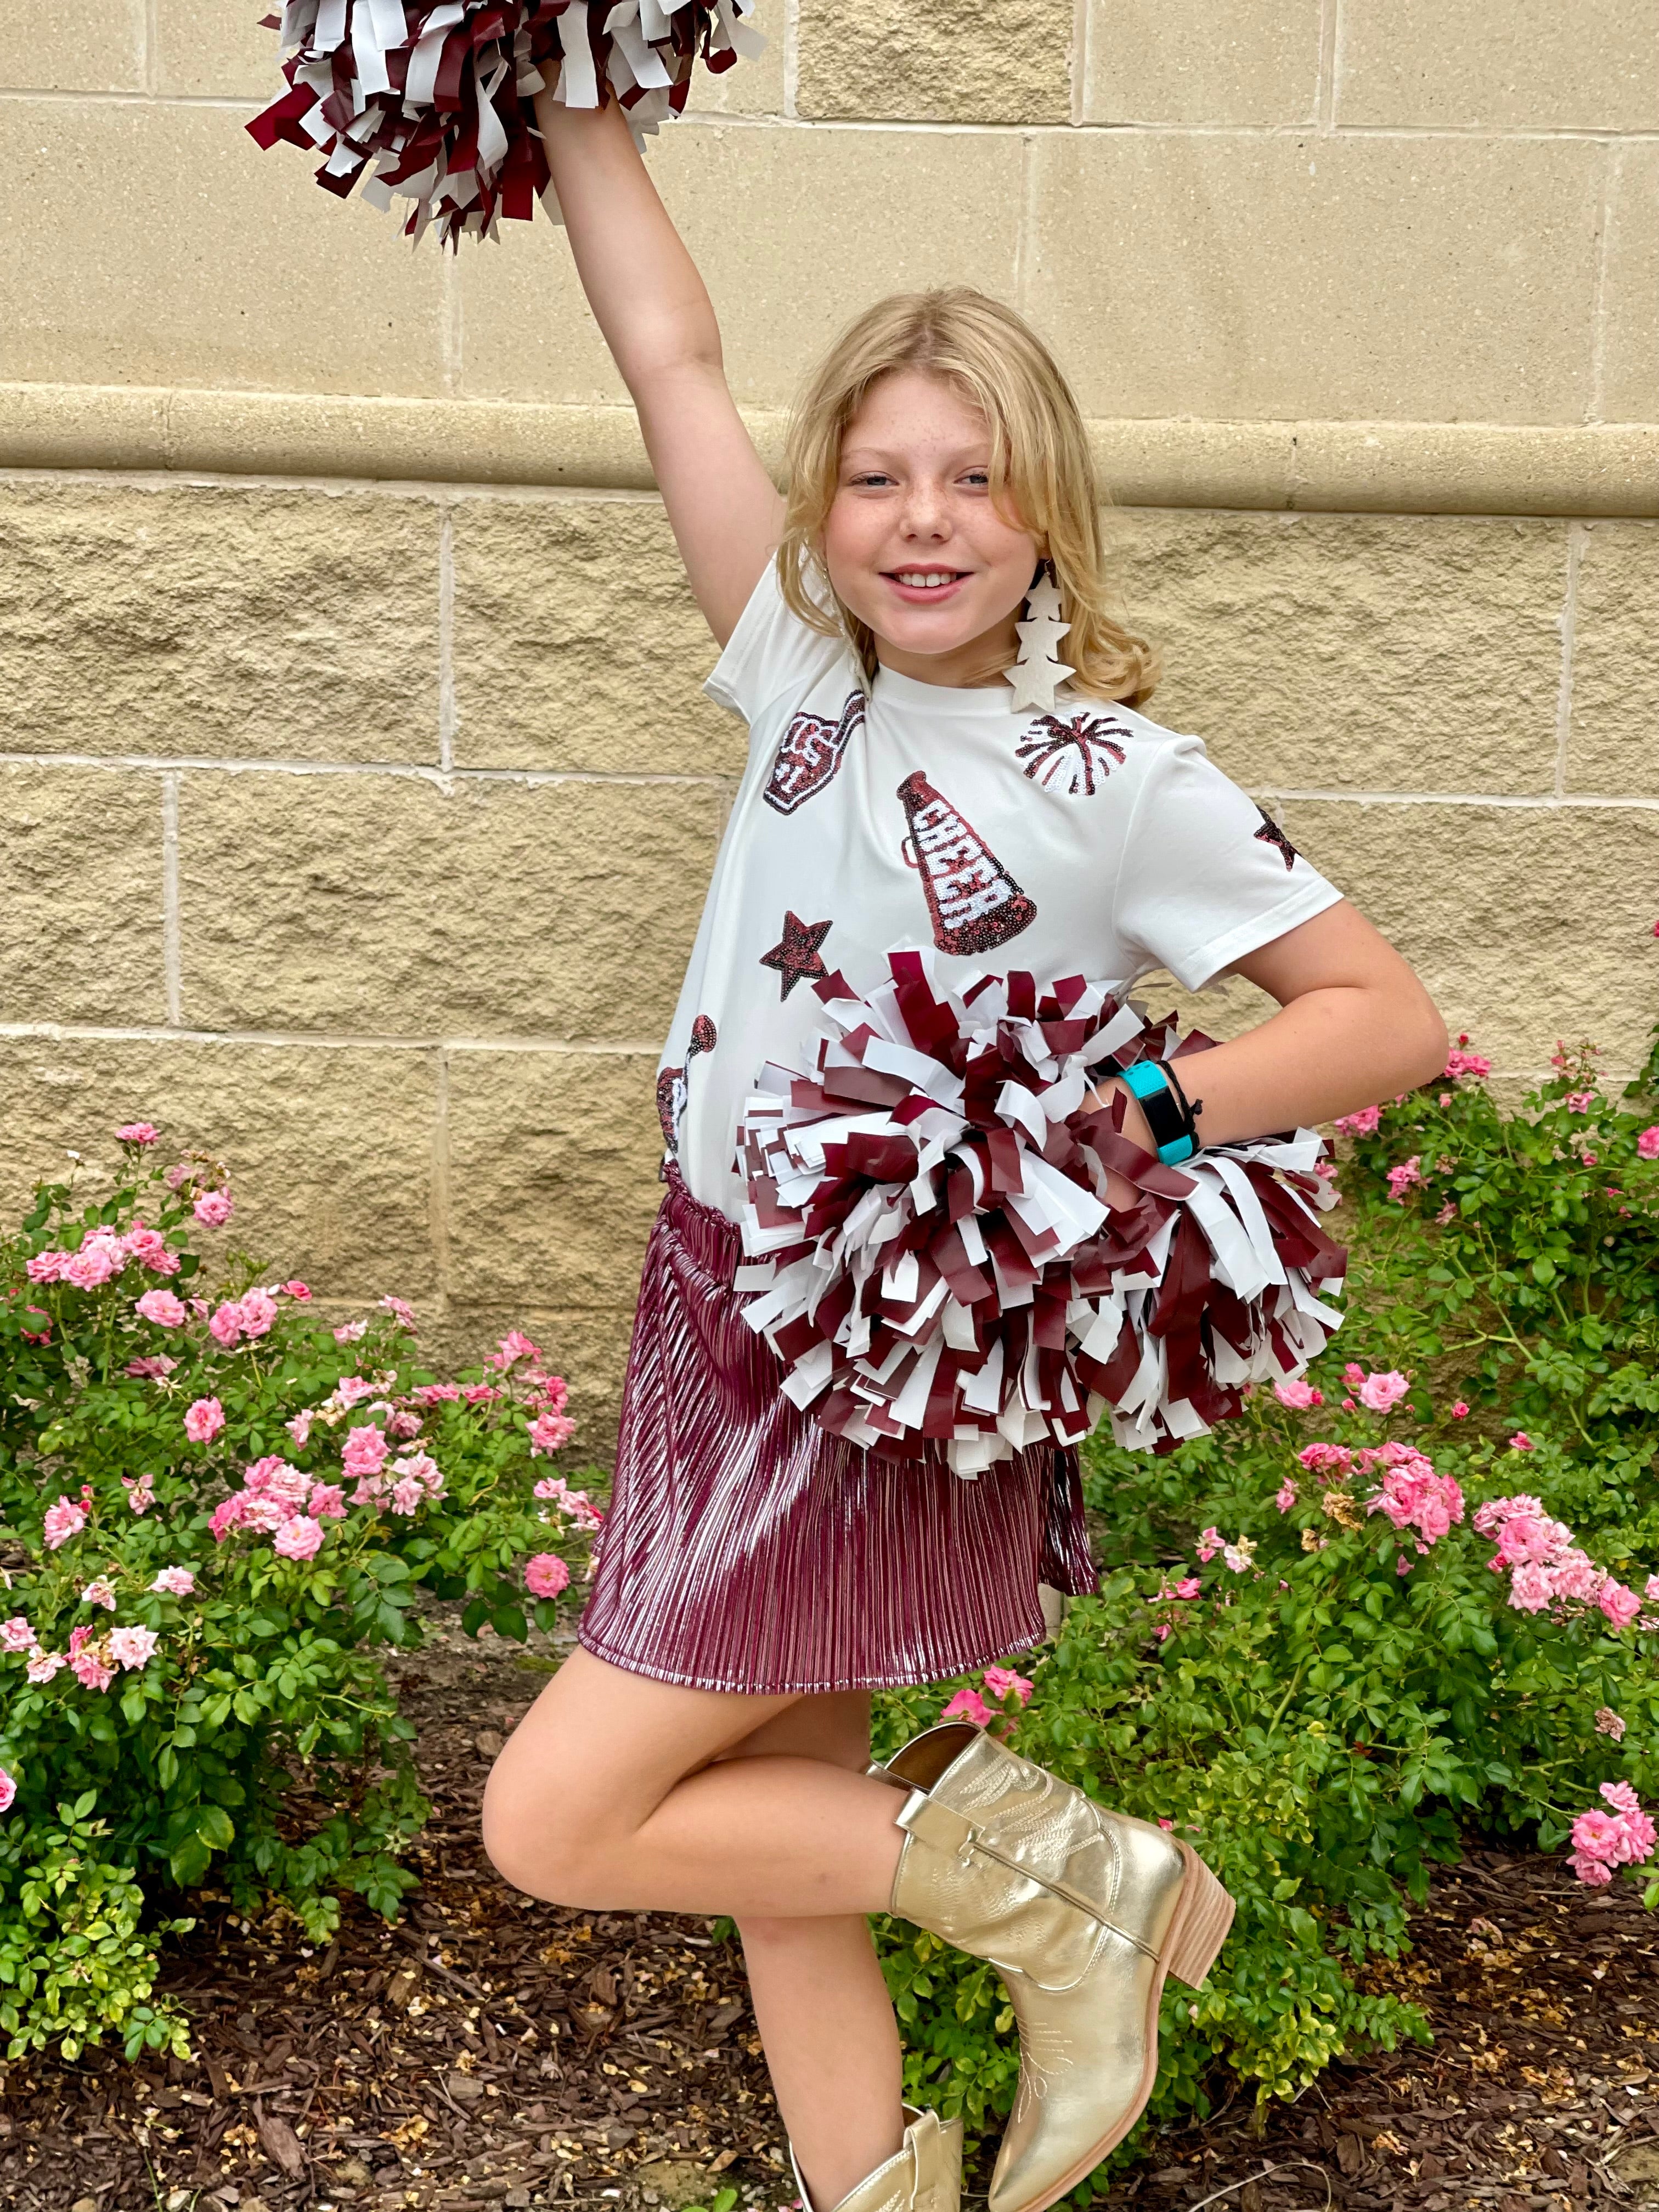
x=747, y=1551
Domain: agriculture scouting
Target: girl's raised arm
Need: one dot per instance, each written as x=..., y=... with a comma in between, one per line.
x=658, y=322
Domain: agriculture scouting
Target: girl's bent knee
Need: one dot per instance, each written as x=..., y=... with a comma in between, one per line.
x=544, y=1849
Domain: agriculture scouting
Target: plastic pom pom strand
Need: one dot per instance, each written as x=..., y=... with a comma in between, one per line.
x=432, y=101
x=931, y=1251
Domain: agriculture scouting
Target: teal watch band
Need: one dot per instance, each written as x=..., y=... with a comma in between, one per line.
x=1172, y=1129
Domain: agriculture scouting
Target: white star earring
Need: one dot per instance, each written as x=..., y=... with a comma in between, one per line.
x=1038, y=668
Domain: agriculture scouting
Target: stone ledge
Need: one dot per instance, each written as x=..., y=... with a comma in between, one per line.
x=1409, y=468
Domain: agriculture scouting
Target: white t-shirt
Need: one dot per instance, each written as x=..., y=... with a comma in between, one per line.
x=1088, y=841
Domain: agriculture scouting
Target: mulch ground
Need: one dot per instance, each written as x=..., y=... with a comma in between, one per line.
x=495, y=2052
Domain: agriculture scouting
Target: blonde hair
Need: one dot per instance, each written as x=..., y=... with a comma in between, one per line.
x=1040, y=468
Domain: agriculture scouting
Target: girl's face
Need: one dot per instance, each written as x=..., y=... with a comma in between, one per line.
x=913, y=543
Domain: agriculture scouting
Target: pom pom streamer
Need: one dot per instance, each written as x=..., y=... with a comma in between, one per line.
x=931, y=1250
x=431, y=100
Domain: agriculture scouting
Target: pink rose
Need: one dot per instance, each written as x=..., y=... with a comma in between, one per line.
x=1607, y=1722
x=1467, y=1063
x=8, y=1791
x=296, y=1289
x=1647, y=1145
x=1460, y=1412
x=1620, y=1605
x=1521, y=1441
x=46, y=1267
x=480, y=1393
x=326, y=1501
x=98, y=1259
x=204, y=1420
x=176, y=1582
x=214, y=1208
x=407, y=1495
x=967, y=1705
x=436, y=1394
x=16, y=1634
x=299, y=1427
x=1286, y=1496
x=1595, y=1873
x=100, y=1592
x=1003, y=1682
x=401, y=1311
x=546, y=1574
x=90, y=1671
x=349, y=1331
x=1298, y=1395
x=514, y=1347
x=149, y=1248
x=1580, y=1102
x=1380, y=1391
x=404, y=1424
x=132, y=1648
x=43, y=1665
x=351, y=1390
x=1365, y=1123
x=299, y=1538
x=365, y=1452
x=138, y=1133
x=63, y=1520
x=162, y=1307
x=1530, y=1589
x=1188, y=1587
x=1597, y=1835
x=227, y=1324
x=1209, y=1544
x=1402, y=1178
x=258, y=1310
x=550, y=1432
x=258, y=1474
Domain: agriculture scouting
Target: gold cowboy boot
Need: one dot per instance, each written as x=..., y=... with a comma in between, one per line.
x=1081, y=1910
x=923, y=2175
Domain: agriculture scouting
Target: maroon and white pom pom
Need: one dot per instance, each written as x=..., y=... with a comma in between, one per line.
x=437, y=95
x=933, y=1256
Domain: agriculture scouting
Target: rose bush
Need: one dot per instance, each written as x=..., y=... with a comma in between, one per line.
x=215, y=1511
x=1413, y=1595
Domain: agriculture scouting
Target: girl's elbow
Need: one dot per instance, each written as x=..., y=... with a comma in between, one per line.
x=1429, y=1040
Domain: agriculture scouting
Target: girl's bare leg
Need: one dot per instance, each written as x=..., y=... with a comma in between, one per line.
x=616, y=1791
x=611, y=1793
x=831, y=2041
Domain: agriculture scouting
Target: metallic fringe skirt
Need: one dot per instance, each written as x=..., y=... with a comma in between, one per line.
x=747, y=1551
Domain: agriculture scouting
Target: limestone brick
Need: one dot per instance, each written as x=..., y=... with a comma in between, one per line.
x=794, y=231
x=329, y=1151
x=196, y=259
x=1365, y=653
x=552, y=1176
x=1436, y=64
x=205, y=620
x=82, y=902
x=1630, y=341
x=389, y=906
x=1300, y=277
x=221, y=50
x=1201, y=61
x=55, y=46
x=578, y=644
x=954, y=61
x=1613, y=745
x=1526, y=923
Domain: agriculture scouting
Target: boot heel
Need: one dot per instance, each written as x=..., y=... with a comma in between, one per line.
x=1202, y=1919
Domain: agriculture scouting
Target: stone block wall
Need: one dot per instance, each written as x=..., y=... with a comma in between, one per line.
x=356, y=791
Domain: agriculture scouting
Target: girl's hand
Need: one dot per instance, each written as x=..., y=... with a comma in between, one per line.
x=1119, y=1191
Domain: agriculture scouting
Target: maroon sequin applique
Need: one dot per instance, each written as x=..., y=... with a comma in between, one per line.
x=975, y=903
x=1271, y=834
x=671, y=1087
x=795, y=956
x=1074, y=750
x=809, y=753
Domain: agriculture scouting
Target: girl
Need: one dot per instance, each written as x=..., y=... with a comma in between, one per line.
x=704, y=1752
